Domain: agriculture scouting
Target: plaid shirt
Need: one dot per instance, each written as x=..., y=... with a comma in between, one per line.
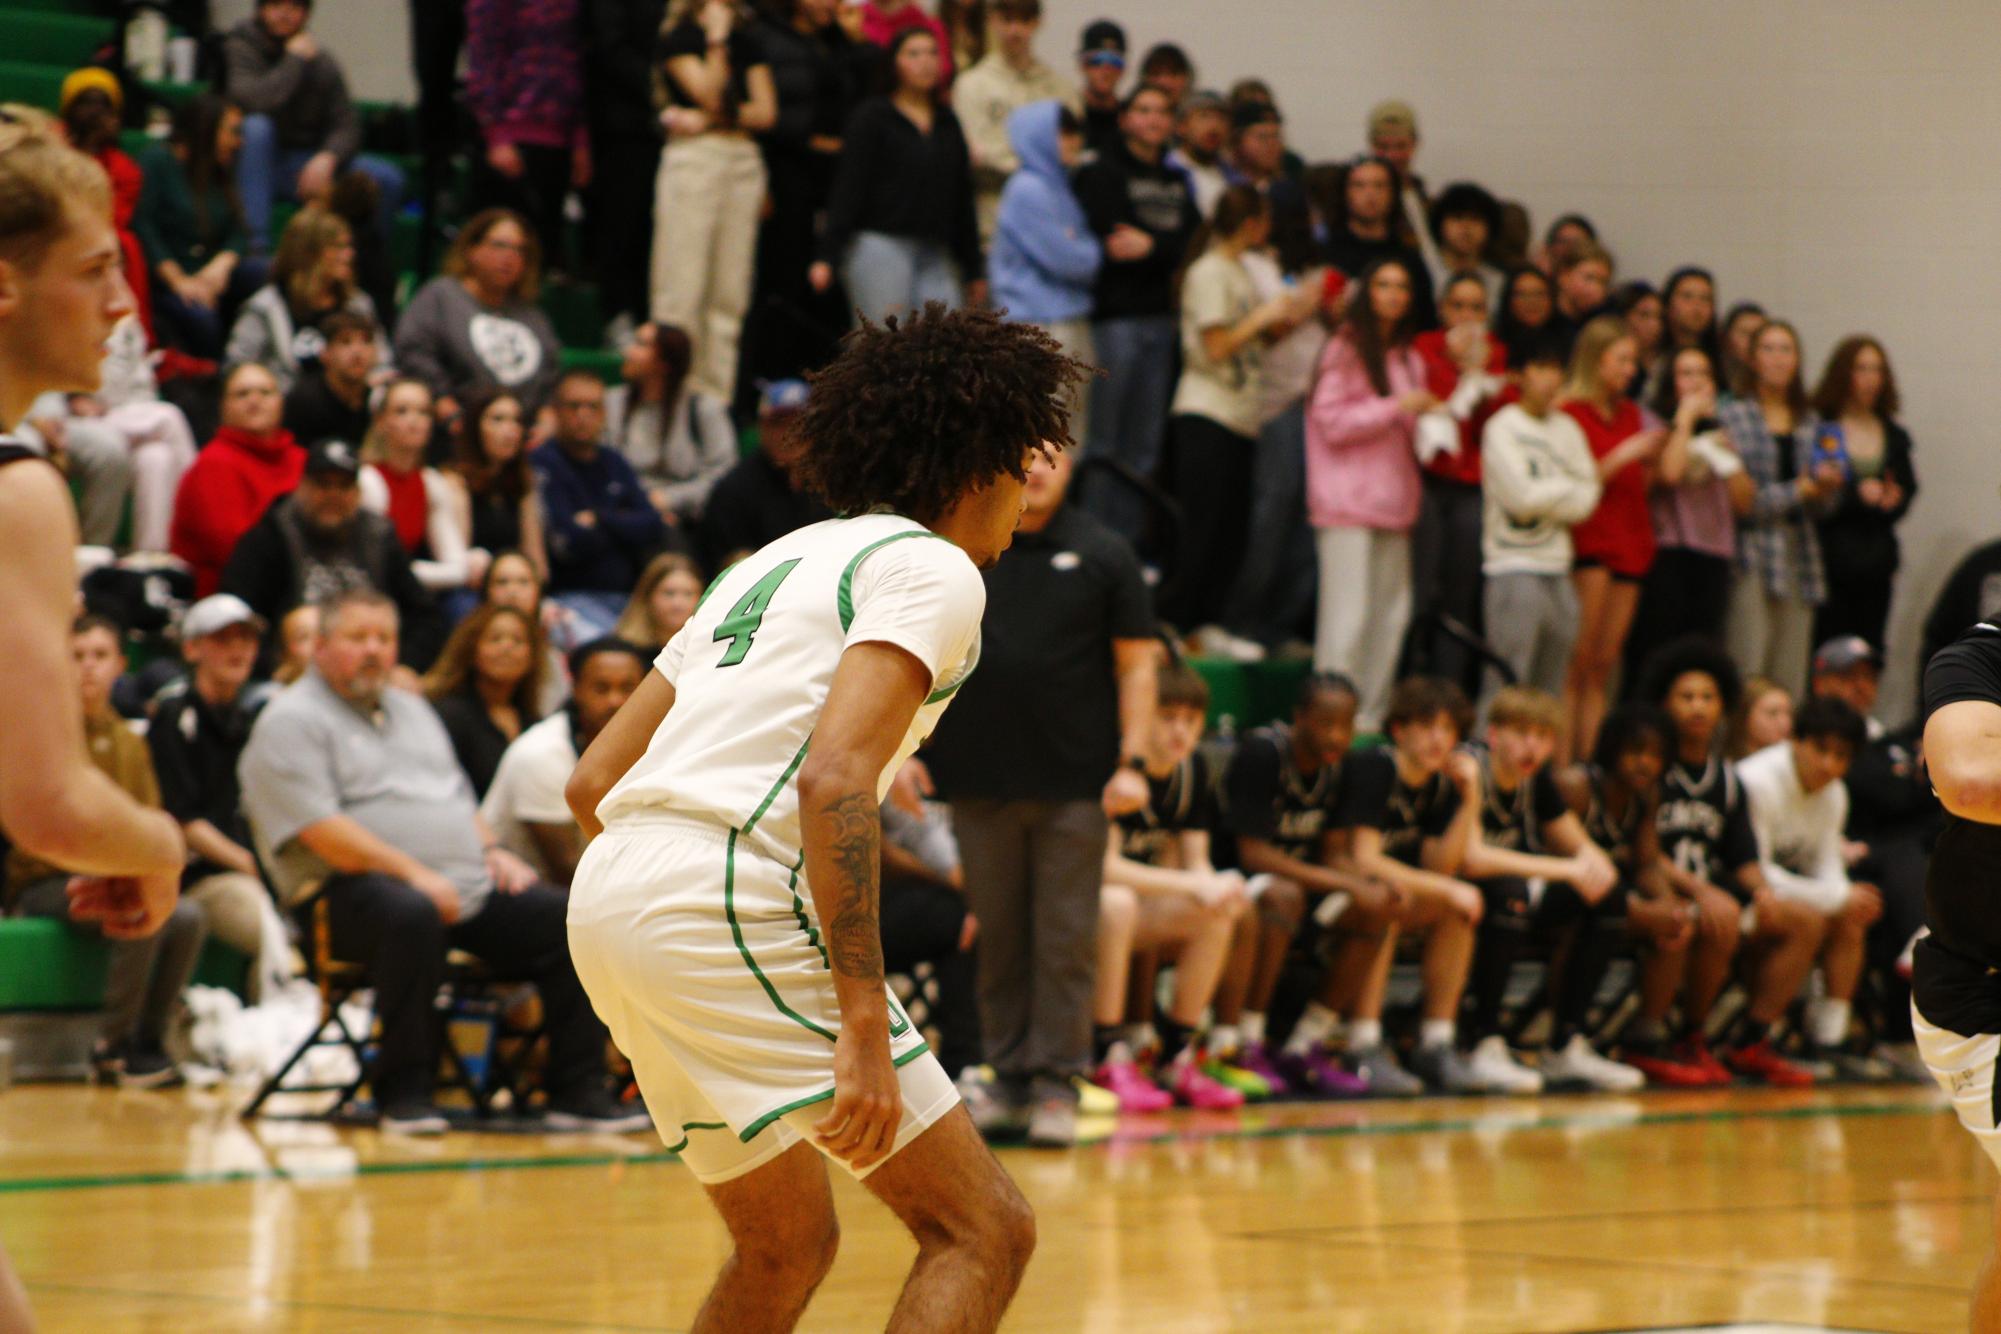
x=1777, y=540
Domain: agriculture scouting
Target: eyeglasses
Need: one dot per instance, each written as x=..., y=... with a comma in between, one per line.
x=515, y=246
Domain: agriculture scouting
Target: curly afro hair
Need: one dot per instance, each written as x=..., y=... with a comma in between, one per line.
x=1691, y=653
x=916, y=412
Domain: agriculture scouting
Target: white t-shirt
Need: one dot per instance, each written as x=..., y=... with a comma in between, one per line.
x=753, y=666
x=1799, y=833
x=528, y=787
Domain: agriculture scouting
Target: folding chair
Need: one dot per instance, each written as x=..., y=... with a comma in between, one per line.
x=337, y=982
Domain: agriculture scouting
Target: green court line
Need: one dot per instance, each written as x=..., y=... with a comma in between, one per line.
x=1166, y=1135
x=477, y=1318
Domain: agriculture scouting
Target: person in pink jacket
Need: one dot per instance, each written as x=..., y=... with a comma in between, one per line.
x=1362, y=484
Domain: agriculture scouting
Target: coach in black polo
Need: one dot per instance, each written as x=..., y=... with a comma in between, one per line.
x=1041, y=748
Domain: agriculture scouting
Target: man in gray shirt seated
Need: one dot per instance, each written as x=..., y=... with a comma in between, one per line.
x=352, y=791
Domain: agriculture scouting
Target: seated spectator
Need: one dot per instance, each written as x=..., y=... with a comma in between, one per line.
x=525, y=88
x=1538, y=481
x=1006, y=79
x=355, y=796
x=318, y=541
x=1582, y=279
x=524, y=805
x=1368, y=232
x=1857, y=403
x=191, y=227
x=511, y=581
x=491, y=486
x=312, y=279
x=476, y=325
x=251, y=462
x=1101, y=60
x=301, y=128
x=95, y=458
x=677, y=437
x=329, y=400
x=90, y=105
x=1523, y=311
x=662, y=601
x=145, y=978
x=1464, y=219
x=602, y=528
x=298, y=640
x=1045, y=256
x=1763, y=717
x=900, y=224
x=1201, y=134
x=760, y=499
x=1165, y=900
x=1799, y=807
x=1280, y=791
x=417, y=501
x=486, y=685
x=199, y=726
x=1711, y=852
x=925, y=920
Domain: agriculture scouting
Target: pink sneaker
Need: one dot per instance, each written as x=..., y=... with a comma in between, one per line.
x=1192, y=1088
x=1135, y=1092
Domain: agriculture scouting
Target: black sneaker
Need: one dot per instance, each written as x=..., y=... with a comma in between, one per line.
x=595, y=1112
x=412, y=1118
x=149, y=1069
x=107, y=1059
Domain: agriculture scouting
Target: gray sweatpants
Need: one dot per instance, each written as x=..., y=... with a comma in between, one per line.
x=1532, y=624
x=145, y=978
x=1033, y=870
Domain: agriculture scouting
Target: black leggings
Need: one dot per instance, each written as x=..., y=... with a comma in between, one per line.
x=1212, y=468
x=1594, y=934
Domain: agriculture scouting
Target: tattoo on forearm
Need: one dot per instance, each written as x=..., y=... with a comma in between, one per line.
x=854, y=835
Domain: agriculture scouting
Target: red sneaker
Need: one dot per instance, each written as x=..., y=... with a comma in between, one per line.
x=1762, y=1061
x=1665, y=1068
x=1695, y=1051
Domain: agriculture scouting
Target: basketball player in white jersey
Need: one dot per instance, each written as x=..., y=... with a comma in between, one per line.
x=60, y=293
x=724, y=919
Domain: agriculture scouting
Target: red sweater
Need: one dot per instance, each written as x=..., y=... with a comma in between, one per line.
x=1441, y=377
x=233, y=481
x=1620, y=532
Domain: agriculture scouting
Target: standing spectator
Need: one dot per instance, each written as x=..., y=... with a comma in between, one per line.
x=524, y=804
x=1569, y=232
x=493, y=490
x=1857, y=403
x=1639, y=305
x=190, y=226
x=602, y=528
x=1526, y=305
x=486, y=685
x=90, y=105
x=1392, y=130
x=662, y=601
x=966, y=31
x=1780, y=579
x=761, y=499
x=1688, y=319
x=251, y=462
x=525, y=85
x=312, y=279
x=1130, y=193
x=1101, y=57
x=1583, y=280
x=1464, y=220
x=1031, y=793
x=618, y=41
x=352, y=786
x=1615, y=546
x=1045, y=255
x=718, y=94
x=1740, y=322
x=417, y=500
x=1538, y=481
x=884, y=21
x=1168, y=68
x=319, y=541
x=145, y=977
x=301, y=127
x=196, y=737
x=1368, y=232
x=679, y=439
x=901, y=223
x=1008, y=78
x=1362, y=488
x=476, y=325
x=1201, y=134
x=329, y=400
x=1224, y=326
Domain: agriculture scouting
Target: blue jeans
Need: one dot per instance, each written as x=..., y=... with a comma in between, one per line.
x=1273, y=599
x=889, y=274
x=201, y=330
x=1128, y=408
x=265, y=171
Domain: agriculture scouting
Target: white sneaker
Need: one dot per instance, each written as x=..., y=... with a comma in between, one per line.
x=1496, y=1070
x=1216, y=642
x=1578, y=1063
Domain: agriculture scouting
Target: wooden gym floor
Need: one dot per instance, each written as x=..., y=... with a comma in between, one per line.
x=1860, y=1209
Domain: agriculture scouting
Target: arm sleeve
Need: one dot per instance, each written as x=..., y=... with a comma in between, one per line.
x=1526, y=489
x=1063, y=252
x=1346, y=409
x=1545, y=798
x=1101, y=191
x=539, y=775
x=1738, y=846
x=851, y=183
x=1969, y=669
x=965, y=238
x=180, y=794
x=1775, y=497
x=632, y=521
x=923, y=595
x=286, y=776
x=1250, y=789
x=486, y=43
x=344, y=124
x=1365, y=790
x=1439, y=818
x=249, y=339
x=448, y=542
x=145, y=218
x=668, y=663
x=1898, y=465
x=419, y=335
x=1129, y=613
x=715, y=452
x=562, y=500
x=257, y=88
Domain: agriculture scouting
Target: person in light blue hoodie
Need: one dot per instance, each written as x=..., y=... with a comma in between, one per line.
x=1045, y=256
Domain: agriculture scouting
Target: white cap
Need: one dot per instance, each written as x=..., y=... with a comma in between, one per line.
x=216, y=613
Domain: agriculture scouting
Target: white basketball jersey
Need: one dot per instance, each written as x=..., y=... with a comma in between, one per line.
x=752, y=668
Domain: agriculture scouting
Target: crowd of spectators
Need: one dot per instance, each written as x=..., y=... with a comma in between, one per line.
x=1564, y=540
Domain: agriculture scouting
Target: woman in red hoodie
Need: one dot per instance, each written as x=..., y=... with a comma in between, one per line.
x=251, y=462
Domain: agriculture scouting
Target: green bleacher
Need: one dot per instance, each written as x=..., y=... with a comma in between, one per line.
x=46, y=965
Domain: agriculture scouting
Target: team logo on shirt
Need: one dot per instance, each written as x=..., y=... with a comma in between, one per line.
x=506, y=347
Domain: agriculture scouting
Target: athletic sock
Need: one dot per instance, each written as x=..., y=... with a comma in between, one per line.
x=1315, y=1026
x=1253, y=1024
x=1828, y=1023
x=1646, y=1033
x=1225, y=1041
x=1437, y=1033
x=1364, y=1034
x=1141, y=1036
x=1173, y=1039
x=1102, y=1038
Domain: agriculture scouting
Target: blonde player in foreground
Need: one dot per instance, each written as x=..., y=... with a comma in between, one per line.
x=60, y=293
x=759, y=748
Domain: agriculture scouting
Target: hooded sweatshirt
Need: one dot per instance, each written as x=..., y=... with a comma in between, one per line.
x=1361, y=462
x=1045, y=256
x=233, y=481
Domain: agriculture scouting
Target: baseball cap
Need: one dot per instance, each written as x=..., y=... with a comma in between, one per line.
x=783, y=396
x=1845, y=652
x=1392, y=115
x=1205, y=100
x=333, y=456
x=1104, y=36
x=216, y=613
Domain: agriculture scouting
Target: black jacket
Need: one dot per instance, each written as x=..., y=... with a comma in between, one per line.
x=618, y=39
x=1858, y=542
x=899, y=181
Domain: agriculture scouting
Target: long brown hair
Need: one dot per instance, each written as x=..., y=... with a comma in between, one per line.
x=635, y=623
x=372, y=448
x=457, y=265
x=298, y=267
x=454, y=667
x=1235, y=207
x=469, y=456
x=1837, y=382
x=1746, y=384
x=1364, y=331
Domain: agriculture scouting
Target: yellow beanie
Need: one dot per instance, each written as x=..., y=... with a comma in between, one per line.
x=81, y=81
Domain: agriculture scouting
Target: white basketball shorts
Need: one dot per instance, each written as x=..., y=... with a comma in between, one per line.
x=1964, y=1068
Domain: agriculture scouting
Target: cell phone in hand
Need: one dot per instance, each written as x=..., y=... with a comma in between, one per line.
x=1830, y=445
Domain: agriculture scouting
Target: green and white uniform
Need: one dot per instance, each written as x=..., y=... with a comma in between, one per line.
x=690, y=922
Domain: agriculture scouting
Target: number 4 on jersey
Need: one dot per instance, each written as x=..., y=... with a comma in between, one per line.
x=741, y=625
